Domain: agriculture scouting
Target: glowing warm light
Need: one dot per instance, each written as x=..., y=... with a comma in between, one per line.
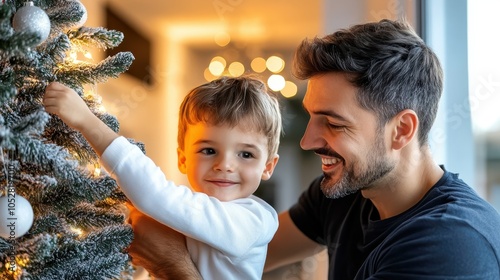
x=98, y=98
x=92, y=96
x=217, y=66
x=219, y=59
x=89, y=94
x=208, y=75
x=12, y=266
x=236, y=69
x=249, y=27
x=290, y=89
x=275, y=64
x=22, y=261
x=276, y=82
x=73, y=56
x=88, y=55
x=101, y=108
x=76, y=230
x=222, y=39
x=258, y=65
x=97, y=171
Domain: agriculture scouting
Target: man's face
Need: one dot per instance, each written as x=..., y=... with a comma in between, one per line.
x=353, y=150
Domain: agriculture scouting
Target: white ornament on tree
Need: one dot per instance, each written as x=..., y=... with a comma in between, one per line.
x=31, y=18
x=16, y=216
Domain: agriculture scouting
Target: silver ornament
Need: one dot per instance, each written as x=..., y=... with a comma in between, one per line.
x=31, y=18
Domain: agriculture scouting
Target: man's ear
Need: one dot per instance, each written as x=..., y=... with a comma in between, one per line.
x=405, y=128
x=269, y=169
x=181, y=161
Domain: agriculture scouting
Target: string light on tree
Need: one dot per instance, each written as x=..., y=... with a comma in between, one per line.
x=31, y=18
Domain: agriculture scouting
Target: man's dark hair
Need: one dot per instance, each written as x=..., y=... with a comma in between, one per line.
x=387, y=61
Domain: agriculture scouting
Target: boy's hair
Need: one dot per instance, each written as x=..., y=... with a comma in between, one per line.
x=387, y=61
x=229, y=101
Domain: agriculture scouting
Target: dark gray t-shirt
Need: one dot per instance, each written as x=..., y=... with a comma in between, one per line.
x=450, y=234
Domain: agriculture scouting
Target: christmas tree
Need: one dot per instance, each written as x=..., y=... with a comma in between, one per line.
x=60, y=216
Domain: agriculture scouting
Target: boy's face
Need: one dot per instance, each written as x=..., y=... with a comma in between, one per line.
x=224, y=162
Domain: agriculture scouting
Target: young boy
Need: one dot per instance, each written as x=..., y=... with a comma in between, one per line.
x=228, y=138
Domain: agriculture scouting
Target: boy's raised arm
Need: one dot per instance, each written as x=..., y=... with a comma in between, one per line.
x=70, y=107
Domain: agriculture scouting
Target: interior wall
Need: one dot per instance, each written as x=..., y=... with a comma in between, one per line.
x=147, y=113
x=342, y=14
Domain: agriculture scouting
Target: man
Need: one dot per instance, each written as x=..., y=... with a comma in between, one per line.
x=382, y=208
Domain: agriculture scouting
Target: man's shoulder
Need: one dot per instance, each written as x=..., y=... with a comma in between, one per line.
x=457, y=214
x=450, y=232
x=442, y=244
x=452, y=198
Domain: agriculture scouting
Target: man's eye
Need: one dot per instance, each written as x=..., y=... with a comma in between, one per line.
x=336, y=127
x=207, y=151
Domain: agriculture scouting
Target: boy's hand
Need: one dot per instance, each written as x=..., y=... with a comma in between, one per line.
x=67, y=104
x=70, y=107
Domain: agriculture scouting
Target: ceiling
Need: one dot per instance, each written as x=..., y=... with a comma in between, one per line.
x=275, y=22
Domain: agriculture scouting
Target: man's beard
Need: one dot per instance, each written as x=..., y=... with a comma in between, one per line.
x=377, y=166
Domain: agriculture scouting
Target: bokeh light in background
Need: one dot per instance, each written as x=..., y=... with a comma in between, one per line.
x=289, y=90
x=275, y=64
x=232, y=63
x=272, y=65
x=236, y=69
x=208, y=75
x=222, y=39
x=217, y=66
x=258, y=65
x=276, y=82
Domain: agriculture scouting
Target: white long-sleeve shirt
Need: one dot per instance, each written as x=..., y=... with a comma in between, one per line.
x=226, y=240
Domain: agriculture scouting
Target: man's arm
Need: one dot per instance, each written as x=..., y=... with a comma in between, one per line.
x=159, y=249
x=289, y=245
